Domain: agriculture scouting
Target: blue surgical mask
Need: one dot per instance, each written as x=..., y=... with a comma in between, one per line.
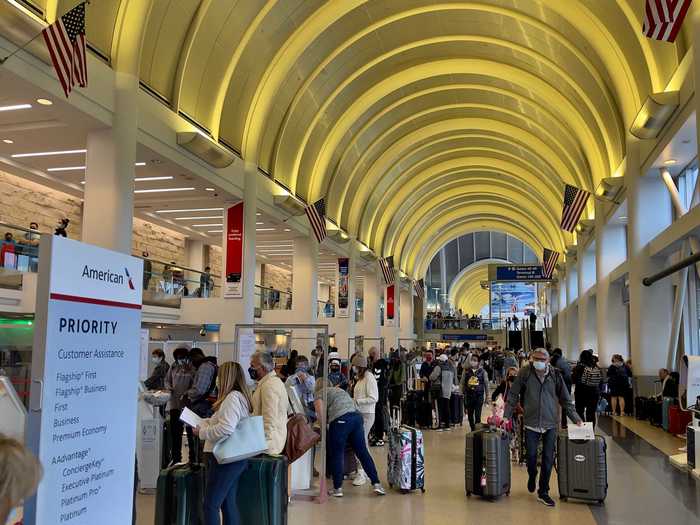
x=539, y=365
x=253, y=373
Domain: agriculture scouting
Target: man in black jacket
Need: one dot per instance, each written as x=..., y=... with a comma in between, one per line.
x=380, y=368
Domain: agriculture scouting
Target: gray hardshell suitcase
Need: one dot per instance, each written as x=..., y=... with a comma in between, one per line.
x=487, y=463
x=582, y=468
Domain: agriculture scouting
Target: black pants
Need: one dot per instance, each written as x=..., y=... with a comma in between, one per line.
x=176, y=438
x=587, y=403
x=444, y=411
x=380, y=421
x=474, y=406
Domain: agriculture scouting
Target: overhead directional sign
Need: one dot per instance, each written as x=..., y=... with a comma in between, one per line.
x=516, y=272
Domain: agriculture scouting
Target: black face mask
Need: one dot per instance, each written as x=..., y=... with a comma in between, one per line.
x=511, y=379
x=253, y=373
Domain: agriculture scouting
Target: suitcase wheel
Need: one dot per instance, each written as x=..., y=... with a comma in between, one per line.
x=469, y=494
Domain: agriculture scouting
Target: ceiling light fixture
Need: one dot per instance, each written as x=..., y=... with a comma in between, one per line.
x=8, y=141
x=139, y=164
x=66, y=168
x=48, y=153
x=164, y=190
x=259, y=223
x=15, y=107
x=144, y=179
x=209, y=189
x=44, y=102
x=258, y=214
x=206, y=225
x=215, y=231
x=264, y=229
x=670, y=162
x=190, y=210
x=197, y=218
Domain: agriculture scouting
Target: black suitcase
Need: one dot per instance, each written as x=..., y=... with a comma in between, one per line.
x=180, y=495
x=262, y=491
x=457, y=408
x=409, y=409
x=582, y=468
x=424, y=412
x=487, y=463
x=640, y=408
x=690, y=447
x=655, y=411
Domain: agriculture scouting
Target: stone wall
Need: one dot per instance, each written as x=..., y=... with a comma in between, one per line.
x=160, y=243
x=214, y=258
x=276, y=277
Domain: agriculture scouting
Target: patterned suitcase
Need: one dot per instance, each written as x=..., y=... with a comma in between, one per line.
x=406, y=459
x=582, y=468
x=487, y=463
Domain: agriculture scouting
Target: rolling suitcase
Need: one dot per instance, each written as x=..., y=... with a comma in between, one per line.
x=655, y=410
x=690, y=447
x=406, y=459
x=667, y=403
x=262, y=491
x=179, y=495
x=487, y=463
x=640, y=408
x=678, y=420
x=409, y=409
x=582, y=468
x=457, y=409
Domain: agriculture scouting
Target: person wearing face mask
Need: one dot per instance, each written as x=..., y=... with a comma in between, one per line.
x=304, y=382
x=270, y=401
x=178, y=381
x=366, y=394
x=474, y=388
x=542, y=390
x=203, y=384
x=156, y=381
x=335, y=371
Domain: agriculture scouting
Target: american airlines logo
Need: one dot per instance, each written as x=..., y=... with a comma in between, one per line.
x=108, y=276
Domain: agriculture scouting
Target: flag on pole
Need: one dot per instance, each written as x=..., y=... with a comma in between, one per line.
x=65, y=40
x=663, y=19
x=387, y=266
x=419, y=287
x=575, y=200
x=316, y=213
x=549, y=262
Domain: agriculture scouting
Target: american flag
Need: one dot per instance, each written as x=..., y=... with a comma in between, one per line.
x=387, y=266
x=663, y=19
x=419, y=287
x=575, y=200
x=65, y=39
x=549, y=262
x=316, y=213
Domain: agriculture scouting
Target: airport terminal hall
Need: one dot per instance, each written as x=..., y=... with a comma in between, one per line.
x=312, y=262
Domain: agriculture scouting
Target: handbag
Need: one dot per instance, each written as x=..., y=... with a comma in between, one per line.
x=247, y=440
x=300, y=437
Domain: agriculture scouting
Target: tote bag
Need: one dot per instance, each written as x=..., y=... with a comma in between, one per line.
x=247, y=440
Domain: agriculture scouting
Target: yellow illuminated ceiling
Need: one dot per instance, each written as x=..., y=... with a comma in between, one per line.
x=418, y=120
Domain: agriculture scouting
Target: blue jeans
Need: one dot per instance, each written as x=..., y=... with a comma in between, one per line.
x=221, y=491
x=532, y=441
x=348, y=428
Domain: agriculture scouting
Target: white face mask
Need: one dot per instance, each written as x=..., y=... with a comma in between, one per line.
x=539, y=365
x=155, y=360
x=355, y=369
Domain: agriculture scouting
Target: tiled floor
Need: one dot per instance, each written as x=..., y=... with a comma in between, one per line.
x=644, y=489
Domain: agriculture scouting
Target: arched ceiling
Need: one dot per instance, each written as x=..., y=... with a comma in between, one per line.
x=418, y=120
x=466, y=292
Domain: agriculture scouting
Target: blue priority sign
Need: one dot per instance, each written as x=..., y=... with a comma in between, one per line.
x=527, y=273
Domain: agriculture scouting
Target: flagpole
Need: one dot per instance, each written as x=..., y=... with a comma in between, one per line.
x=5, y=59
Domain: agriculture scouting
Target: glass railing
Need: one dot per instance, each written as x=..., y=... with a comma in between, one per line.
x=272, y=299
x=19, y=253
x=166, y=284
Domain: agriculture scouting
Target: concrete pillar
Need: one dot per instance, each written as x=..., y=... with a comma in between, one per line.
x=650, y=307
x=611, y=313
x=305, y=280
x=250, y=207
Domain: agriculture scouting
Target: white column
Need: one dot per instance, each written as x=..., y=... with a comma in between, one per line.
x=371, y=298
x=444, y=304
x=650, y=306
x=586, y=304
x=611, y=313
x=572, y=344
x=305, y=280
x=250, y=208
x=561, y=314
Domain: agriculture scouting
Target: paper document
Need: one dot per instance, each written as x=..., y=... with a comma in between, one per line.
x=190, y=418
x=576, y=432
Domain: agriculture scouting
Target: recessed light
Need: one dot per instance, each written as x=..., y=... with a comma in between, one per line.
x=207, y=225
x=44, y=102
x=209, y=189
x=8, y=141
x=189, y=210
x=215, y=231
x=67, y=168
x=287, y=230
x=670, y=162
x=264, y=229
x=197, y=218
x=144, y=179
x=48, y=153
x=164, y=190
x=15, y=107
x=141, y=164
x=259, y=223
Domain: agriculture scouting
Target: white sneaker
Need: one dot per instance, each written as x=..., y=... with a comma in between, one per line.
x=360, y=479
x=379, y=490
x=336, y=493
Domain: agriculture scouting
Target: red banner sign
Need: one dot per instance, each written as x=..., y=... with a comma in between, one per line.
x=389, y=305
x=233, y=287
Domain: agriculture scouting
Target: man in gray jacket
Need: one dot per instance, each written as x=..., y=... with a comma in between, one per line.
x=444, y=374
x=542, y=390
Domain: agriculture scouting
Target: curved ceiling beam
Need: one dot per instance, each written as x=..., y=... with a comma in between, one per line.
x=410, y=244
x=419, y=266
x=376, y=222
x=439, y=198
x=612, y=137
x=455, y=288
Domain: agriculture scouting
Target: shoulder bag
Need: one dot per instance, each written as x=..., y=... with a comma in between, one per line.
x=247, y=440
